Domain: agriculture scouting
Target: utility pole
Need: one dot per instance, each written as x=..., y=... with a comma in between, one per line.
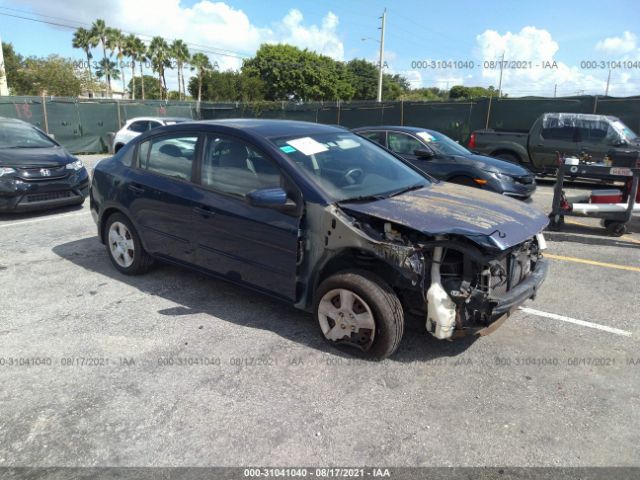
x=4, y=89
x=606, y=92
x=500, y=81
x=555, y=90
x=381, y=63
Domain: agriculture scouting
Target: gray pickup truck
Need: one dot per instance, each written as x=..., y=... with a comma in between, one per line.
x=588, y=137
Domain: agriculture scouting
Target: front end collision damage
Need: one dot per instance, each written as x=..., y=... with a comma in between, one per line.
x=460, y=285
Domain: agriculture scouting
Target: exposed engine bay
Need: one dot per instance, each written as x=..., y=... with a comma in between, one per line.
x=458, y=283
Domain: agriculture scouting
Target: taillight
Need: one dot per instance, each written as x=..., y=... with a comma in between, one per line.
x=472, y=141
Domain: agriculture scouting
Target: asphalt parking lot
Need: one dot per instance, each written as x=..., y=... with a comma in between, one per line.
x=177, y=369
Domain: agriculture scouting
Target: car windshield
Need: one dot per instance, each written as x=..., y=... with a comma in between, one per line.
x=625, y=132
x=348, y=167
x=442, y=144
x=23, y=136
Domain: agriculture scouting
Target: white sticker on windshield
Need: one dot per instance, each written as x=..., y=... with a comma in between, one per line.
x=347, y=143
x=307, y=145
x=427, y=137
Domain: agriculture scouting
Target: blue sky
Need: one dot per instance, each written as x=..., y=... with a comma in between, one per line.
x=566, y=32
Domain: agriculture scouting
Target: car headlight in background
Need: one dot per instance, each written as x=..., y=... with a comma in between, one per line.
x=502, y=176
x=6, y=171
x=77, y=165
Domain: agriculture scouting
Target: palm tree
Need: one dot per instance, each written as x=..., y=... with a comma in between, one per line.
x=108, y=69
x=201, y=63
x=159, y=54
x=118, y=42
x=131, y=48
x=181, y=54
x=84, y=39
x=99, y=33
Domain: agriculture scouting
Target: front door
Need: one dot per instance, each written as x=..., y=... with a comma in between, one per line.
x=247, y=244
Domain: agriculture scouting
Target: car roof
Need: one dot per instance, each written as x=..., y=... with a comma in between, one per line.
x=270, y=128
x=400, y=128
x=159, y=119
x=14, y=121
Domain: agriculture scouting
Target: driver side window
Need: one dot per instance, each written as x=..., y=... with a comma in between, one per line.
x=233, y=167
x=403, y=144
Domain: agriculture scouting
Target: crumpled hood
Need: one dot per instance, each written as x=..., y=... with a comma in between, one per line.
x=496, y=165
x=34, y=157
x=446, y=208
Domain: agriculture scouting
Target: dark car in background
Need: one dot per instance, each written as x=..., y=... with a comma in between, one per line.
x=588, y=137
x=321, y=218
x=444, y=159
x=35, y=171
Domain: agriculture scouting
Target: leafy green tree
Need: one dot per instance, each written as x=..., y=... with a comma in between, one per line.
x=364, y=75
x=290, y=73
x=54, y=75
x=160, y=56
x=180, y=53
x=201, y=63
x=230, y=86
x=13, y=64
x=460, y=92
x=150, y=85
x=84, y=39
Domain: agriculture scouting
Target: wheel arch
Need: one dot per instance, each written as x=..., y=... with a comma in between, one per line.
x=351, y=259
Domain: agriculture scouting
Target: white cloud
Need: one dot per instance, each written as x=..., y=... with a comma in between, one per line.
x=209, y=25
x=543, y=73
x=322, y=39
x=627, y=43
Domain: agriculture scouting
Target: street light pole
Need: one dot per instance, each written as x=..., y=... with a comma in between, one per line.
x=381, y=62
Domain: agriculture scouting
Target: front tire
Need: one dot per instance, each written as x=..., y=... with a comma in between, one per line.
x=124, y=247
x=359, y=312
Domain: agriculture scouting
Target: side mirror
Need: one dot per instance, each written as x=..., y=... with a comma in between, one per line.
x=423, y=153
x=273, y=197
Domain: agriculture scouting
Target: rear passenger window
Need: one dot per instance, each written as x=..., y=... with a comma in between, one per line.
x=139, y=127
x=566, y=134
x=170, y=156
x=231, y=166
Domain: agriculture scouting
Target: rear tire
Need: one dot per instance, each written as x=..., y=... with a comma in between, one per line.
x=358, y=312
x=124, y=247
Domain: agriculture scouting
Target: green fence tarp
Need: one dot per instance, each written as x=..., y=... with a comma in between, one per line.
x=86, y=126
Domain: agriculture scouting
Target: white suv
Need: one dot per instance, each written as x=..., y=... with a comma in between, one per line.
x=136, y=126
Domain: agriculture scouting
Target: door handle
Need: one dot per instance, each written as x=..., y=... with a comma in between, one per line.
x=203, y=211
x=138, y=190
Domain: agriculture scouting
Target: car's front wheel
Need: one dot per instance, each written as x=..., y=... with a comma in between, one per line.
x=124, y=247
x=358, y=310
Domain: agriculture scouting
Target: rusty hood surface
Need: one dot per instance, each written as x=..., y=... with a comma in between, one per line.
x=445, y=208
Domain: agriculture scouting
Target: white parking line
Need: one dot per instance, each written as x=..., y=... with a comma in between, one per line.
x=582, y=323
x=43, y=219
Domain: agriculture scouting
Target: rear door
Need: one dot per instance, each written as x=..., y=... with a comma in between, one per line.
x=546, y=142
x=597, y=138
x=163, y=194
x=257, y=246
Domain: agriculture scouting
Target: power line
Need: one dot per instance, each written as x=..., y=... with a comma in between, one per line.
x=198, y=47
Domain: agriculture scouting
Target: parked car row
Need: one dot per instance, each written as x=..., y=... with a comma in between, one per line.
x=355, y=227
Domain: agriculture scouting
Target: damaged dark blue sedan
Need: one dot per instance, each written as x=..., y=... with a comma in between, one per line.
x=324, y=219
